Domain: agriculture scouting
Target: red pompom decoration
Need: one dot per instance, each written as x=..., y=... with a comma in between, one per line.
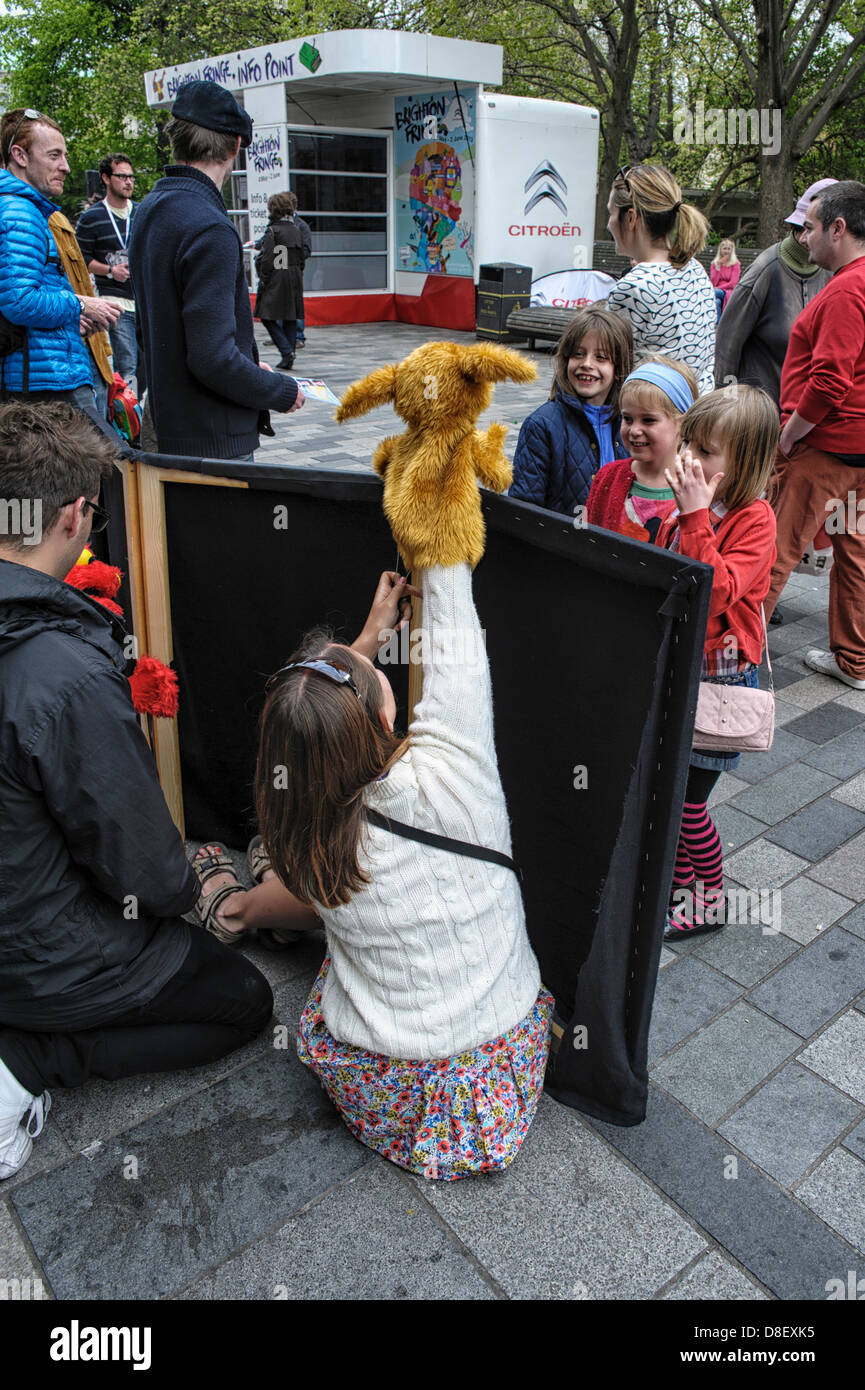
x=154, y=688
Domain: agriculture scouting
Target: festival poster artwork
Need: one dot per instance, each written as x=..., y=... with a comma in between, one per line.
x=266, y=173
x=434, y=153
x=316, y=390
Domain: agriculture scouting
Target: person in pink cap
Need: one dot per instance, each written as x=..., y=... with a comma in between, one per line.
x=751, y=338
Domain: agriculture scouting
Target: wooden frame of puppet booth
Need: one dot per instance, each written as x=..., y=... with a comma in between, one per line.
x=595, y=643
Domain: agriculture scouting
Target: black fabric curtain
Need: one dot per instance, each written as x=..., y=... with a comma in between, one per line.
x=595, y=644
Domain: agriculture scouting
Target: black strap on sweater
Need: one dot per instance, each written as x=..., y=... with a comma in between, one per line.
x=427, y=837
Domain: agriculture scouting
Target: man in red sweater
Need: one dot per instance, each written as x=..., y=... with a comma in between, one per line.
x=821, y=452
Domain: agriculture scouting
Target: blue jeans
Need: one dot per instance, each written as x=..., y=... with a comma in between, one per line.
x=124, y=346
x=301, y=335
x=283, y=332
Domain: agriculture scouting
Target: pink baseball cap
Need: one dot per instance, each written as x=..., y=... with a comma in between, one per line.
x=797, y=216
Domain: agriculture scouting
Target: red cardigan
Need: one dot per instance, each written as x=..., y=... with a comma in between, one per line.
x=741, y=552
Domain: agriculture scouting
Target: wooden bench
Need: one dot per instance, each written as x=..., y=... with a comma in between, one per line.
x=541, y=322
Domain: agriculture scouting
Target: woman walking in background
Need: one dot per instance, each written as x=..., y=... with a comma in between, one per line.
x=279, y=303
x=724, y=272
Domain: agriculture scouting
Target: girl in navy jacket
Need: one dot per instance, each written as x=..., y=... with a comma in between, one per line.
x=564, y=443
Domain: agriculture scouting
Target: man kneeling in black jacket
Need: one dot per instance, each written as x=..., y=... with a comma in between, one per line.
x=98, y=974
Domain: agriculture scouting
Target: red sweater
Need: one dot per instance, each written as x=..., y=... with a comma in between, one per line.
x=823, y=377
x=741, y=552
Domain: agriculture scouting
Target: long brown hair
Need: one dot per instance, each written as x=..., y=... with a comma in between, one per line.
x=656, y=197
x=744, y=420
x=616, y=337
x=321, y=745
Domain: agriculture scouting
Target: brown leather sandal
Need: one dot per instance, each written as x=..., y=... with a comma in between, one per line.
x=258, y=862
x=204, y=867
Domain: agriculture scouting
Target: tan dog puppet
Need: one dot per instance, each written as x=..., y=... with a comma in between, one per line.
x=431, y=471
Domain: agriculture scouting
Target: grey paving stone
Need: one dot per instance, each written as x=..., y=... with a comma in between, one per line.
x=687, y=996
x=579, y=1222
x=838, y=1055
x=853, y=699
x=211, y=1177
x=825, y=722
x=713, y=1277
x=787, y=638
x=95, y=1112
x=855, y=923
x=781, y=1244
x=371, y=1238
x=811, y=690
x=802, y=909
x=744, y=951
x=784, y=713
x=735, y=828
x=782, y=793
x=20, y=1280
x=761, y=865
x=726, y=786
x=789, y=1123
x=836, y=1191
x=806, y=992
x=818, y=829
x=852, y=793
x=666, y=957
x=784, y=676
x=786, y=748
x=855, y=1141
x=725, y=1061
x=844, y=871
x=843, y=757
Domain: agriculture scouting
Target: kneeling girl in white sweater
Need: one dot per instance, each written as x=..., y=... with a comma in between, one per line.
x=428, y=1025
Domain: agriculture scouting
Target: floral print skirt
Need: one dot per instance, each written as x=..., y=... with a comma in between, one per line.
x=439, y=1119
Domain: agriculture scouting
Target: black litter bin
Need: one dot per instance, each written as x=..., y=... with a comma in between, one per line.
x=502, y=287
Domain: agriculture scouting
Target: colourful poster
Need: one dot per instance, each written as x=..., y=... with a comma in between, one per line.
x=434, y=157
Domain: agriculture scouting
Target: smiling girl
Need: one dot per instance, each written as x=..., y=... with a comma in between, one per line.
x=633, y=496
x=564, y=443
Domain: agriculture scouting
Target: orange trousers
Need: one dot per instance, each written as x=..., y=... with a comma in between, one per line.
x=813, y=489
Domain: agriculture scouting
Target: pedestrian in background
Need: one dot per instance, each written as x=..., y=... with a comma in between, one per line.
x=103, y=232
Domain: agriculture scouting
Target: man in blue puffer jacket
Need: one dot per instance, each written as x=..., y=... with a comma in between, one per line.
x=52, y=362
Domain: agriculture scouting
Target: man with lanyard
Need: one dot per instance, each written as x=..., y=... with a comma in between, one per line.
x=103, y=235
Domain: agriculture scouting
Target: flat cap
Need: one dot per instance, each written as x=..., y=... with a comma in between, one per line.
x=211, y=106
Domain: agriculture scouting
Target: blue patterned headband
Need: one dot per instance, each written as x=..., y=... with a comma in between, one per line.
x=671, y=382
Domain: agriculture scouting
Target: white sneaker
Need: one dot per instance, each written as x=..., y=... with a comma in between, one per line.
x=825, y=663
x=21, y=1119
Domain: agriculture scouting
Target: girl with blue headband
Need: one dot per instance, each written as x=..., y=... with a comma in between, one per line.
x=633, y=496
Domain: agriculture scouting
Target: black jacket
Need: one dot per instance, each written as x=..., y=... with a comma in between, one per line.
x=280, y=268
x=92, y=868
x=195, y=322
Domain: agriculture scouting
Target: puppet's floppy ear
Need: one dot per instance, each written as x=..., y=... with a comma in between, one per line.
x=489, y=362
x=376, y=389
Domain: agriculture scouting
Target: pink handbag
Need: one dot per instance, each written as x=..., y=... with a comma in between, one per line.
x=735, y=718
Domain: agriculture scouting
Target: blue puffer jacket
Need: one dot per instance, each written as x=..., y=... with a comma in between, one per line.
x=557, y=456
x=35, y=292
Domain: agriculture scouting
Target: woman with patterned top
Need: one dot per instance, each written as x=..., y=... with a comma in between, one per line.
x=666, y=295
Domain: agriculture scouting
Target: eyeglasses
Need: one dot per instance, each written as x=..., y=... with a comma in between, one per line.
x=28, y=115
x=324, y=668
x=101, y=517
x=623, y=175
x=125, y=178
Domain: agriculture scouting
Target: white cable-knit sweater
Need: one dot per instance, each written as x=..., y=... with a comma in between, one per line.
x=431, y=958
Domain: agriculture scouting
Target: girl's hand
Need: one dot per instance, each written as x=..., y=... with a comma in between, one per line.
x=689, y=485
x=390, y=611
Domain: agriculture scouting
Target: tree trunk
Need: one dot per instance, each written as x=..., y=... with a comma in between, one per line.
x=777, y=198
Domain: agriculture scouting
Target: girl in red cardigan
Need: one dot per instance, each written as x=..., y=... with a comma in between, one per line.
x=719, y=480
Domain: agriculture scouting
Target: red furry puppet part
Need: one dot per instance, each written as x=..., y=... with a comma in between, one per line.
x=152, y=683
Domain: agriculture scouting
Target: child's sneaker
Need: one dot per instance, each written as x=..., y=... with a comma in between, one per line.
x=21, y=1119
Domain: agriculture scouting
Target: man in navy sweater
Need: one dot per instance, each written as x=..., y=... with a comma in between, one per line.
x=207, y=389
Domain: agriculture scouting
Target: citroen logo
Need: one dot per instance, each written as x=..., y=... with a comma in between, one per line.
x=545, y=170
